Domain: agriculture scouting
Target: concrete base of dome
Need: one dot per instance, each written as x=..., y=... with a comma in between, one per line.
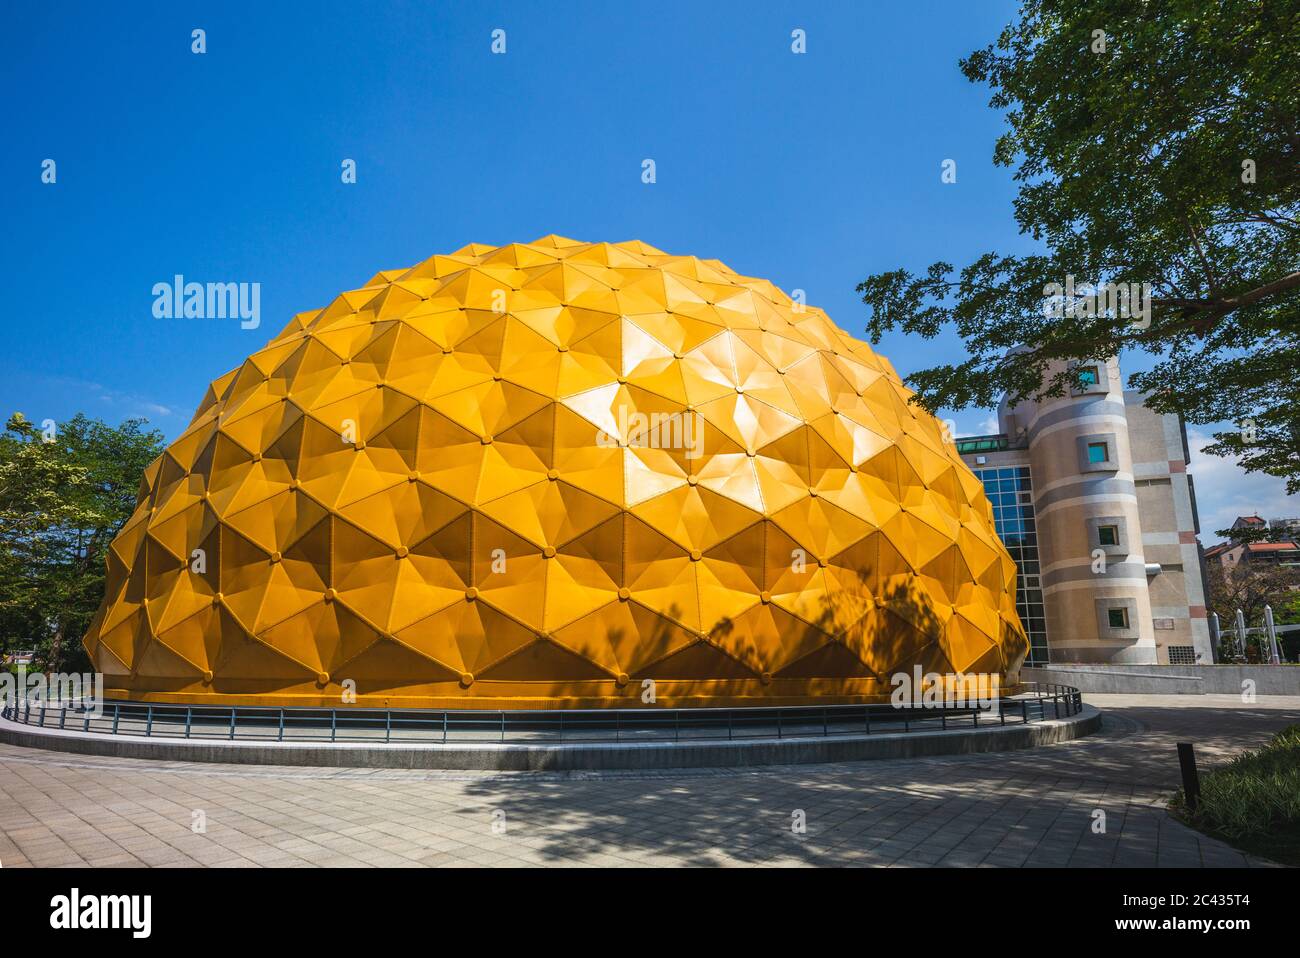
x=565, y=757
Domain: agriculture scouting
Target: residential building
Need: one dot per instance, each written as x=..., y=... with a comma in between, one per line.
x=1255, y=554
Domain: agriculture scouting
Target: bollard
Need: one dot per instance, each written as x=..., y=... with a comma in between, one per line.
x=1191, y=781
x=1271, y=631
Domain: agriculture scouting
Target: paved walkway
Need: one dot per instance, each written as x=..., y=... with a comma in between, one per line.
x=1035, y=807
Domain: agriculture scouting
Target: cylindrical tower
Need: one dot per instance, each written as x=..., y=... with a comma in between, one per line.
x=1090, y=536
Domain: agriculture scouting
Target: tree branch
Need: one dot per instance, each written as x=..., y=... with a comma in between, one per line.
x=1210, y=279
x=1226, y=304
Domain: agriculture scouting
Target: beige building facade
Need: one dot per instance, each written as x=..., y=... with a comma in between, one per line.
x=1092, y=497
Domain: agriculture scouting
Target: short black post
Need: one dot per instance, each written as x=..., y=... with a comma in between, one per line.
x=1191, y=781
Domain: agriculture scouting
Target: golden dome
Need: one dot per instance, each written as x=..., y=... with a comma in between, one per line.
x=542, y=474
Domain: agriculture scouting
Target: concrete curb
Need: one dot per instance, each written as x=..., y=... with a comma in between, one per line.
x=1170, y=679
x=1119, y=681
x=573, y=757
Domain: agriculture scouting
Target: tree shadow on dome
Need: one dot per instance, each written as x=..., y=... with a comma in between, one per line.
x=889, y=632
x=880, y=634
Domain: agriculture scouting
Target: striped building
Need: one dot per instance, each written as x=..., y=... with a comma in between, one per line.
x=1092, y=496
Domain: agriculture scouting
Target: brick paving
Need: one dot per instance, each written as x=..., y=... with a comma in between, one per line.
x=1030, y=808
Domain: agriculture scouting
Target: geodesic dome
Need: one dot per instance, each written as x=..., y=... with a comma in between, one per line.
x=539, y=474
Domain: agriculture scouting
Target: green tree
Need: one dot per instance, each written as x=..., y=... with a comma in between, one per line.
x=62, y=499
x=1249, y=589
x=1154, y=141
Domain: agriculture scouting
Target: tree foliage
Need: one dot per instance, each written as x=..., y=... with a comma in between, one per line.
x=1250, y=589
x=62, y=499
x=1170, y=157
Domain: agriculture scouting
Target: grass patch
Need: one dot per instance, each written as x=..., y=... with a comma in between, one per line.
x=1253, y=802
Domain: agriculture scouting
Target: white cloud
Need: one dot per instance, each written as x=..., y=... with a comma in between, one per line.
x=131, y=404
x=988, y=426
x=1224, y=490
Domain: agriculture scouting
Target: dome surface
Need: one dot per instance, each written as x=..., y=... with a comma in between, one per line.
x=540, y=474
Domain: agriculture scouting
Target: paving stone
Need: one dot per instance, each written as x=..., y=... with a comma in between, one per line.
x=1030, y=808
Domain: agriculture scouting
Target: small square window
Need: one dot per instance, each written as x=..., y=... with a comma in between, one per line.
x=1117, y=618
x=1098, y=452
x=1108, y=535
x=1088, y=375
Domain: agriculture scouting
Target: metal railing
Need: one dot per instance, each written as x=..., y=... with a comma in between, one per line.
x=1034, y=702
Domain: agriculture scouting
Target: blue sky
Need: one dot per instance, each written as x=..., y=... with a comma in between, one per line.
x=812, y=170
